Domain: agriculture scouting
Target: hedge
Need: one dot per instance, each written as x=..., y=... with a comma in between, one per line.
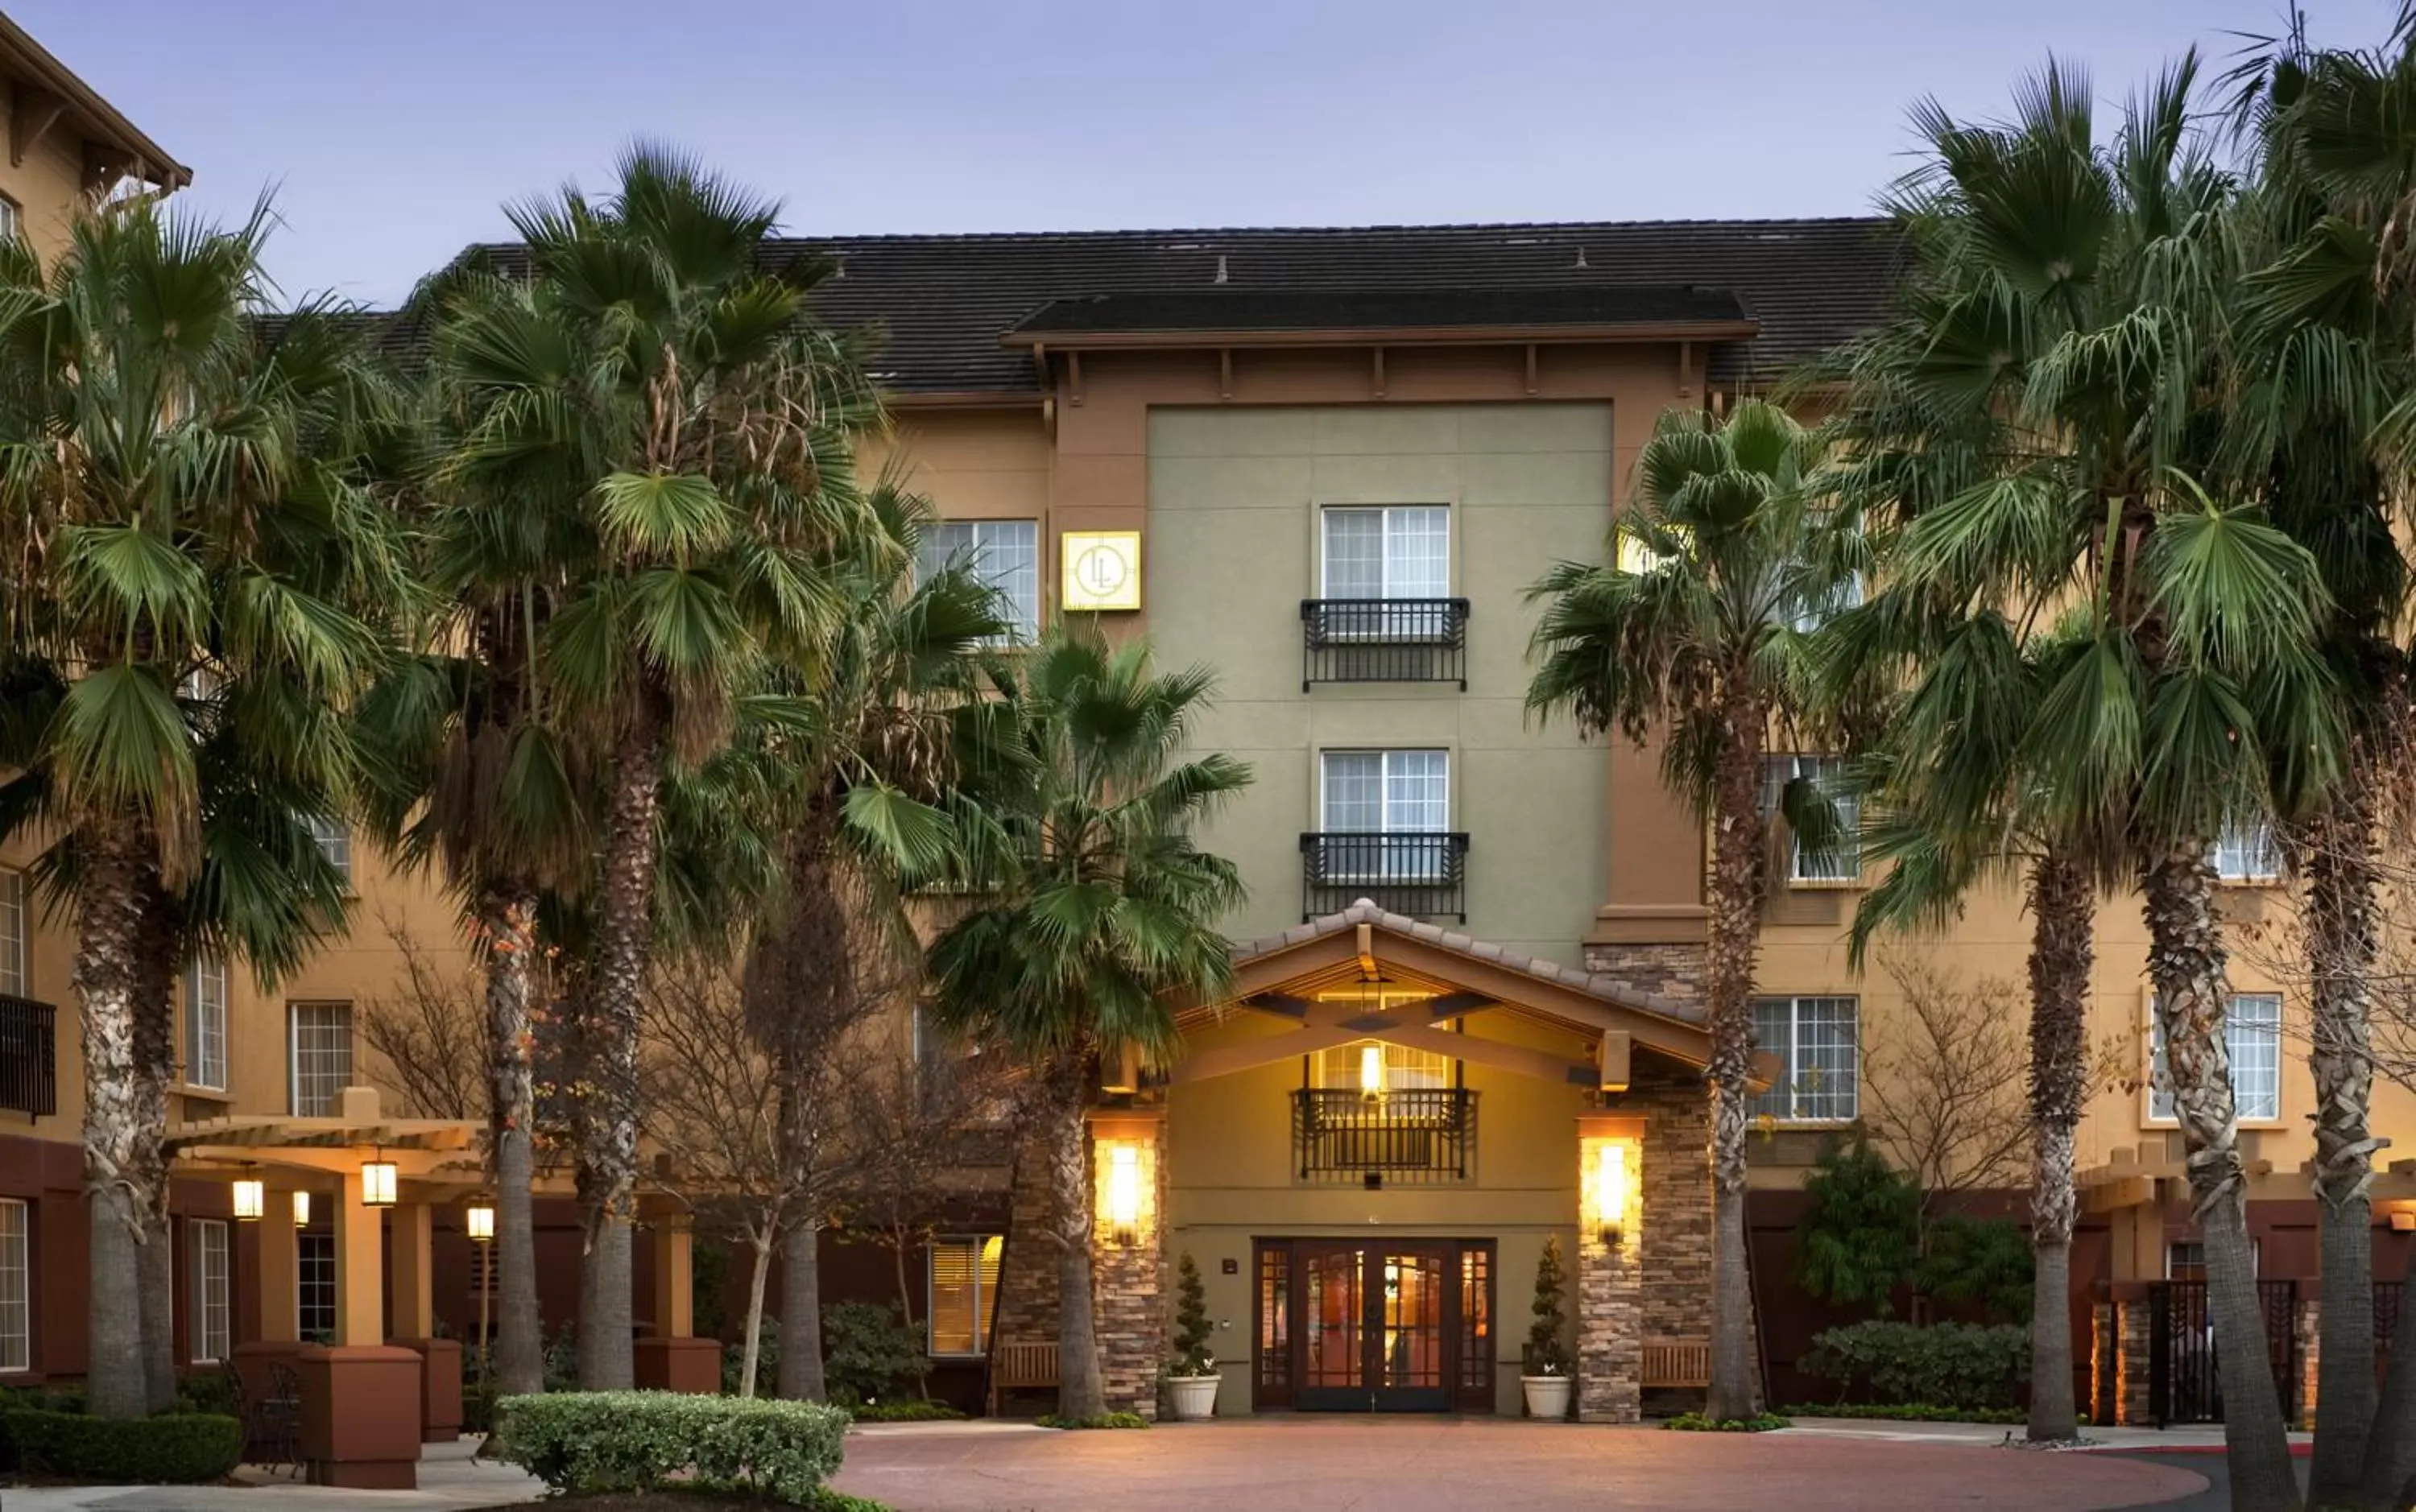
x=179, y=1447
x=1954, y=1364
x=1697, y=1423
x=1916, y=1412
x=635, y=1441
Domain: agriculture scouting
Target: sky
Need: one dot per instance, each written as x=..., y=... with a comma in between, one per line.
x=391, y=132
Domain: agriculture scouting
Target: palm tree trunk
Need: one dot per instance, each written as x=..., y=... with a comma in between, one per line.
x=2186, y=962
x=108, y=976
x=801, y=1311
x=507, y=923
x=623, y=951
x=2389, y=1475
x=1081, y=1391
x=1739, y=834
x=2336, y=853
x=2063, y=953
x=155, y=1056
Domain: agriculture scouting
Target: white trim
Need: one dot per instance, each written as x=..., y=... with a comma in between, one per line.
x=16, y=937
x=210, y=1302
x=1792, y=1063
x=1384, y=538
x=204, y=973
x=16, y=1277
x=2153, y=1052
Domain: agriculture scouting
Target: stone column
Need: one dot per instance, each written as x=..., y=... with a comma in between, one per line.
x=2132, y=1351
x=1610, y=1273
x=2309, y=1323
x=2101, y=1362
x=1128, y=1258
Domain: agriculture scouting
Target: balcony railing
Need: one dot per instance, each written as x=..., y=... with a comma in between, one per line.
x=1417, y=1137
x=1384, y=640
x=29, y=1056
x=1421, y=873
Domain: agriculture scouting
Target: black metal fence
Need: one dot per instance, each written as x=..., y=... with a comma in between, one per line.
x=1384, y=640
x=2183, y=1385
x=1422, y=1136
x=1421, y=873
x=29, y=1056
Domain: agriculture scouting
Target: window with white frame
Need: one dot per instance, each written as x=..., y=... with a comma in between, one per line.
x=12, y=218
x=2246, y=852
x=314, y=1286
x=2252, y=1033
x=1001, y=554
x=1385, y=793
x=1816, y=1042
x=1840, y=862
x=1400, y=1068
x=210, y=1327
x=335, y=838
x=15, y=976
x=320, y=1055
x=205, y=1024
x=16, y=1287
x=964, y=1293
x=1387, y=551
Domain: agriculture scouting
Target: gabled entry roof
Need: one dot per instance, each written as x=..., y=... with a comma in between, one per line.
x=1362, y=944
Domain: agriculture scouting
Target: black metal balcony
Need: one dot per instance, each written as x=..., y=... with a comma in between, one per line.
x=1384, y=640
x=1421, y=873
x=1416, y=1137
x=29, y=1056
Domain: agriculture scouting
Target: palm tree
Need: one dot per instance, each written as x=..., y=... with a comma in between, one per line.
x=654, y=389
x=2076, y=294
x=1098, y=904
x=1696, y=634
x=188, y=558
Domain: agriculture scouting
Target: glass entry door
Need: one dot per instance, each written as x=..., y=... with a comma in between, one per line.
x=1400, y=1327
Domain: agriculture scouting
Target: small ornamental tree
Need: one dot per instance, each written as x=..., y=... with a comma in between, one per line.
x=1858, y=1241
x=1546, y=1353
x=1192, y=1356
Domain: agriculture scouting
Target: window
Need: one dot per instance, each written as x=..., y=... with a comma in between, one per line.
x=314, y=1286
x=205, y=1024
x=1838, y=863
x=1002, y=554
x=13, y=973
x=12, y=220
x=964, y=1293
x=1396, y=551
x=208, y=1328
x=1846, y=594
x=321, y=1057
x=2251, y=1032
x=2246, y=852
x=1816, y=1041
x=335, y=840
x=2185, y=1259
x=1403, y=1070
x=1387, y=792
x=16, y=1289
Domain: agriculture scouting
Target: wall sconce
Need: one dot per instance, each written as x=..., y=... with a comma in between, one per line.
x=301, y=1210
x=479, y=1219
x=1124, y=1190
x=377, y=1182
x=250, y=1199
x=1611, y=1191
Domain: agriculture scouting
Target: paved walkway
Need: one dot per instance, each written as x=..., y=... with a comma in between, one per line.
x=1400, y=1464
x=449, y=1481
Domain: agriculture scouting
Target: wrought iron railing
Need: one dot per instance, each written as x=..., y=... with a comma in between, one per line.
x=1421, y=873
x=1384, y=640
x=29, y=1056
x=1419, y=1136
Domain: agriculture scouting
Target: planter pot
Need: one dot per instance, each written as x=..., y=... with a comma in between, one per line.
x=1195, y=1397
x=1548, y=1396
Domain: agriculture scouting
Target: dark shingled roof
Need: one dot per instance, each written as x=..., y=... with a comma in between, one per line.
x=1360, y=310
x=941, y=303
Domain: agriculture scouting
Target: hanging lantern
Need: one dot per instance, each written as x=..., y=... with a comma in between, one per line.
x=301, y=1210
x=377, y=1182
x=250, y=1199
x=479, y=1219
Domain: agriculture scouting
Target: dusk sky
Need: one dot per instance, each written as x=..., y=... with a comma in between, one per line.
x=390, y=133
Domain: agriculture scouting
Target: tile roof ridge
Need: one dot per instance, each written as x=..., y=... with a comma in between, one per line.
x=1306, y=230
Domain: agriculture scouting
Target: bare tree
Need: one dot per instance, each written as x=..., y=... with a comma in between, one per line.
x=1943, y=1095
x=429, y=1030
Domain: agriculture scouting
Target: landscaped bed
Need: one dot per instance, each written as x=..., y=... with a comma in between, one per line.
x=677, y=1500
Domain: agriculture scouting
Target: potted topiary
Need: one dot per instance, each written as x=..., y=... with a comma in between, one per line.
x=1192, y=1377
x=1545, y=1378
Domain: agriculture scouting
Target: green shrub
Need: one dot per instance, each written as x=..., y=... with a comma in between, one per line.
x=1102, y=1420
x=1697, y=1423
x=615, y=1441
x=868, y=1352
x=905, y=1412
x=768, y=1360
x=178, y=1449
x=827, y=1499
x=1192, y=1356
x=203, y=1391
x=1919, y=1412
x=41, y=1398
x=1984, y=1263
x=1859, y=1237
x=1951, y=1364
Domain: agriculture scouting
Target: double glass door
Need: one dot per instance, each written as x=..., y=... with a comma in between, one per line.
x=1398, y=1326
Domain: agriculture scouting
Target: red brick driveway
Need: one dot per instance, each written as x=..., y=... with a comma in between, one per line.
x=1337, y=1464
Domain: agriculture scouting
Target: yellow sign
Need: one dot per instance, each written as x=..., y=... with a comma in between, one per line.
x=1102, y=570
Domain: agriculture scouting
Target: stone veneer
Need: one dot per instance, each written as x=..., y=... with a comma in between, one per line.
x=1675, y=972
x=2133, y=1318
x=2309, y=1323
x=1656, y=1285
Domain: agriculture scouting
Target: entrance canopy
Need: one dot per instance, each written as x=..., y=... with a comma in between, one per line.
x=1366, y=974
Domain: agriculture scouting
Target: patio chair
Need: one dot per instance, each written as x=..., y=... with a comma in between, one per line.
x=275, y=1423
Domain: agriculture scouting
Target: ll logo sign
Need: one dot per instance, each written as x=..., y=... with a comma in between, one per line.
x=1102, y=569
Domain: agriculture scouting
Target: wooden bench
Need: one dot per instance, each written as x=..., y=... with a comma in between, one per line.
x=1675, y=1362
x=1020, y=1367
